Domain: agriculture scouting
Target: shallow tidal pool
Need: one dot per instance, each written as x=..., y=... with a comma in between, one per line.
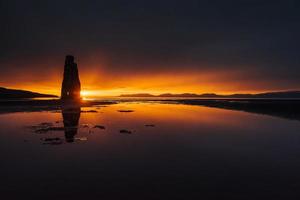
x=149, y=151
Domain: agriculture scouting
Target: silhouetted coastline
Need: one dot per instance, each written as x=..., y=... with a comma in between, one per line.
x=284, y=108
x=8, y=106
x=6, y=93
x=275, y=94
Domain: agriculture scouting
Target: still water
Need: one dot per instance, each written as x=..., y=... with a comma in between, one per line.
x=149, y=151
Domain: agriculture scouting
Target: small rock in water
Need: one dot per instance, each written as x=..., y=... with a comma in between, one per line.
x=81, y=138
x=89, y=111
x=99, y=126
x=45, y=127
x=50, y=139
x=45, y=130
x=125, y=131
x=32, y=127
x=126, y=111
x=45, y=124
x=41, y=130
x=56, y=128
x=150, y=125
x=99, y=106
x=85, y=126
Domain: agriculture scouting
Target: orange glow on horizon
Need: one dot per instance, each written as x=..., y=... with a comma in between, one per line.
x=99, y=78
x=99, y=84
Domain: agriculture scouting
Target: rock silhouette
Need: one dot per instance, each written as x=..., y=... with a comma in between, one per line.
x=71, y=86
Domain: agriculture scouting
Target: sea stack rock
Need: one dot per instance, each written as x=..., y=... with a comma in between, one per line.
x=71, y=87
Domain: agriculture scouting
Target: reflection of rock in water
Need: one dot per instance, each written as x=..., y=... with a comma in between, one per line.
x=70, y=89
x=71, y=116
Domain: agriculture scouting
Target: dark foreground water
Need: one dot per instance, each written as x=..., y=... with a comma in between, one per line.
x=148, y=151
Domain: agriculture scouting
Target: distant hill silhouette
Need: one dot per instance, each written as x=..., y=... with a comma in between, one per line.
x=18, y=94
x=283, y=94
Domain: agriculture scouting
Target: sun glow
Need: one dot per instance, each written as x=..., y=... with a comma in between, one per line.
x=85, y=93
x=115, y=85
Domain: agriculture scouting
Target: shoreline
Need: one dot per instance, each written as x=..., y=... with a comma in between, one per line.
x=284, y=108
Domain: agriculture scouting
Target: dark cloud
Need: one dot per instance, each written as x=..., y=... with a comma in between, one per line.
x=141, y=36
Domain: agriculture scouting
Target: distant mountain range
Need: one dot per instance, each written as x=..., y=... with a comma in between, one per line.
x=283, y=94
x=6, y=93
x=20, y=94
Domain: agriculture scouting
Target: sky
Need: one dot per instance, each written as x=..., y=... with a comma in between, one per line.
x=153, y=46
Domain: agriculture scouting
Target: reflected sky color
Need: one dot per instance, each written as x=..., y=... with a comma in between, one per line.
x=175, y=118
x=188, y=147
